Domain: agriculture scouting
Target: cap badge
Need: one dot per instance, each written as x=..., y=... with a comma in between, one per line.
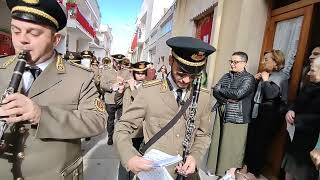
x=33, y=2
x=141, y=66
x=198, y=56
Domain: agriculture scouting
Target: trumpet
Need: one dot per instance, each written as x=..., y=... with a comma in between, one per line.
x=23, y=57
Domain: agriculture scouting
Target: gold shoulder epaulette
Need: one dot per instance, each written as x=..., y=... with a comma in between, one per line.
x=79, y=66
x=8, y=60
x=151, y=83
x=204, y=90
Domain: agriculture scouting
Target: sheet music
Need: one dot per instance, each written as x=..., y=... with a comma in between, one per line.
x=291, y=128
x=159, y=173
x=160, y=161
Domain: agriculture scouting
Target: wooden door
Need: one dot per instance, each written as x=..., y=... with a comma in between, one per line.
x=298, y=20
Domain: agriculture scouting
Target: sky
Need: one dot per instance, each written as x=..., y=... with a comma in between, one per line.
x=121, y=16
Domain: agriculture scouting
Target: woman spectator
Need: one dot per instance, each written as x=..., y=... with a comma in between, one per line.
x=163, y=72
x=269, y=101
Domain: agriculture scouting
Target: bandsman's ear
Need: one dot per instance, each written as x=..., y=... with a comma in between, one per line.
x=56, y=38
x=170, y=60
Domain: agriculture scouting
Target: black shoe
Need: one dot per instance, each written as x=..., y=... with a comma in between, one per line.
x=110, y=141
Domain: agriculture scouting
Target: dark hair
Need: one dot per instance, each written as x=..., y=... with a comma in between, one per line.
x=316, y=46
x=243, y=55
x=165, y=68
x=135, y=72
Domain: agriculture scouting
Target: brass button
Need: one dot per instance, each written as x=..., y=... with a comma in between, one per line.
x=22, y=130
x=178, y=135
x=21, y=155
x=20, y=178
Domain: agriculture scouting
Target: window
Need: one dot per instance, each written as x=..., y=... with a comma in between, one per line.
x=167, y=27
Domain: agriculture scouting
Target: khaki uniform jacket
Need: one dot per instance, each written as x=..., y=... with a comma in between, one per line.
x=71, y=110
x=96, y=72
x=154, y=107
x=108, y=78
x=97, y=76
x=126, y=98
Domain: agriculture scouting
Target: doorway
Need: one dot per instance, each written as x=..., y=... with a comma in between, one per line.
x=290, y=28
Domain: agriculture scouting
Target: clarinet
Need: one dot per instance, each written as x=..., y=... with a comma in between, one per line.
x=190, y=121
x=23, y=57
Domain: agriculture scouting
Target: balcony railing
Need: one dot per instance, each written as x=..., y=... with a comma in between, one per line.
x=76, y=14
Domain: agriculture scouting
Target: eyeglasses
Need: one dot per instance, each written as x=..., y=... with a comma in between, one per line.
x=235, y=62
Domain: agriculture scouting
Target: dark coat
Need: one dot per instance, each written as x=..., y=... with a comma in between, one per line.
x=238, y=87
x=307, y=120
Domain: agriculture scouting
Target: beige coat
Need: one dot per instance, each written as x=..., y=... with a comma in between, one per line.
x=154, y=107
x=71, y=110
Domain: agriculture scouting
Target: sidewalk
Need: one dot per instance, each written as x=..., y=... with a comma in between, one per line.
x=101, y=161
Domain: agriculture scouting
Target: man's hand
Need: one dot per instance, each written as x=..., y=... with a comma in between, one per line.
x=137, y=164
x=132, y=83
x=290, y=117
x=188, y=167
x=20, y=108
x=121, y=88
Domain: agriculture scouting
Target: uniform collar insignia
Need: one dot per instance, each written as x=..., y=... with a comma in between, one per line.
x=60, y=65
x=8, y=62
x=164, y=86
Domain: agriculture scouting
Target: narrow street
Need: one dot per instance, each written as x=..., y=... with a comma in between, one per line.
x=101, y=161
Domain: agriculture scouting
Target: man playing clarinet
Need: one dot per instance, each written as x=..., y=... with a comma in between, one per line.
x=57, y=102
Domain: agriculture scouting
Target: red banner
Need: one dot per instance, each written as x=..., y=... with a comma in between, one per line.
x=75, y=13
x=6, y=47
x=204, y=28
x=134, y=41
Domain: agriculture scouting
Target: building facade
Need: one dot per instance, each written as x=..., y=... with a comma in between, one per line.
x=154, y=24
x=82, y=32
x=102, y=46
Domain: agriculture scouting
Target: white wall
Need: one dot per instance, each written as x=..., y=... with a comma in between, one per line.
x=83, y=44
x=237, y=33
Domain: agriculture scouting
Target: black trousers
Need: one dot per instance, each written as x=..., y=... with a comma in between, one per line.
x=113, y=111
